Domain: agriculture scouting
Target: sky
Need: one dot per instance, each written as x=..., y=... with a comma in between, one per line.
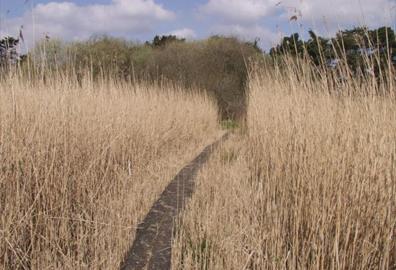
x=141, y=20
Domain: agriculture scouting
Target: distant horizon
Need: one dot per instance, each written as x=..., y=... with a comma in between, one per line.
x=140, y=20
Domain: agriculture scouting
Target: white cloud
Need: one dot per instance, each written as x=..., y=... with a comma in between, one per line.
x=184, y=33
x=70, y=21
x=241, y=18
x=369, y=12
x=336, y=14
x=267, y=38
x=246, y=18
x=238, y=11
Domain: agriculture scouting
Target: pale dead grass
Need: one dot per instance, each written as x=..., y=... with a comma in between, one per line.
x=80, y=167
x=311, y=184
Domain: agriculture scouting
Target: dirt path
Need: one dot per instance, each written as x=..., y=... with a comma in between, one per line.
x=151, y=248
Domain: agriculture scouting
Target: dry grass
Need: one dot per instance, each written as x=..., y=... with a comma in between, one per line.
x=311, y=184
x=79, y=167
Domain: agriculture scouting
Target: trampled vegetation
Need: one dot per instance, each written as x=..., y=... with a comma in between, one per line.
x=92, y=132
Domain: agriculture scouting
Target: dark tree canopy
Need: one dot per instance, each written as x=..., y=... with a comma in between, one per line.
x=354, y=44
x=162, y=41
x=8, y=51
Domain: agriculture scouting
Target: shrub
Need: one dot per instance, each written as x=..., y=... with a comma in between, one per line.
x=218, y=64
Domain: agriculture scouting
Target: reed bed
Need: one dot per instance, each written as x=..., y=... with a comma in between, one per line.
x=82, y=162
x=310, y=183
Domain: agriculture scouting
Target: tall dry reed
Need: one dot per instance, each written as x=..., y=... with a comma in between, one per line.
x=311, y=183
x=82, y=162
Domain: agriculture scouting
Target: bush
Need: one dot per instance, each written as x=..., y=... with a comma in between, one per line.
x=217, y=65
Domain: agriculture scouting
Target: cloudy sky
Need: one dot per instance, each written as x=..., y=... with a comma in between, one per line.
x=140, y=20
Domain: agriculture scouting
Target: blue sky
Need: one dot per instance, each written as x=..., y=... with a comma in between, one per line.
x=140, y=20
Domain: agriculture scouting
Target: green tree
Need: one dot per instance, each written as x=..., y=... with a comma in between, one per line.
x=318, y=48
x=354, y=45
x=289, y=45
x=162, y=41
x=8, y=51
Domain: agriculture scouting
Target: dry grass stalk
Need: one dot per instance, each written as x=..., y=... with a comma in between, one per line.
x=311, y=185
x=80, y=166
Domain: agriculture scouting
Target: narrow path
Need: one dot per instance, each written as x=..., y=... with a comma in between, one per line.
x=152, y=246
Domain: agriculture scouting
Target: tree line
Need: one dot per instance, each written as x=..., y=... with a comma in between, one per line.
x=354, y=47
x=218, y=64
